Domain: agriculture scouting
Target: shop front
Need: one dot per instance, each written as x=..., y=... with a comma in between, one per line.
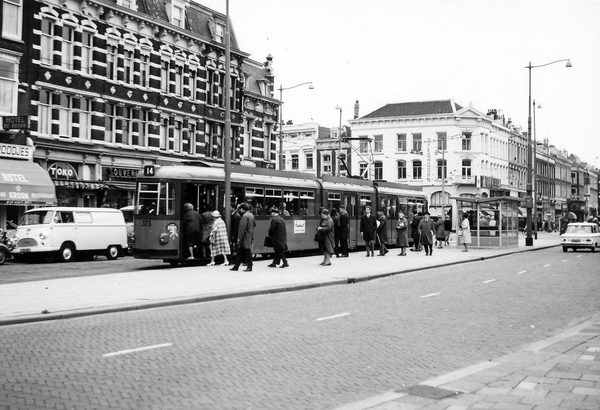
x=23, y=184
x=494, y=221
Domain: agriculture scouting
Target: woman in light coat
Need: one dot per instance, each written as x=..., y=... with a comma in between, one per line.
x=219, y=242
x=465, y=232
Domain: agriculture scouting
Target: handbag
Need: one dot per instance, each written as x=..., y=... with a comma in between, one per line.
x=317, y=237
x=460, y=232
x=268, y=242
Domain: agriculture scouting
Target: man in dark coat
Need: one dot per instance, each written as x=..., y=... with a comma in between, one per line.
x=191, y=223
x=344, y=231
x=245, y=238
x=414, y=226
x=278, y=234
x=368, y=227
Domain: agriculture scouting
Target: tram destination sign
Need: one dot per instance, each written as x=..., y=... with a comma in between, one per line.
x=19, y=122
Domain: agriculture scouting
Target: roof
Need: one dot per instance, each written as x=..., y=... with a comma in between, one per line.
x=411, y=109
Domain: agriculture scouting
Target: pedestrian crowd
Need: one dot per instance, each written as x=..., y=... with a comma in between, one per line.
x=206, y=235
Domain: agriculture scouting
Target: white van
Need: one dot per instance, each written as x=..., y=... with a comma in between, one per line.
x=66, y=232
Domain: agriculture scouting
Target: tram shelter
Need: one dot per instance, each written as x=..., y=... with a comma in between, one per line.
x=494, y=221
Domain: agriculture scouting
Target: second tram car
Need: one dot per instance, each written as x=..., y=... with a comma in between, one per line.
x=162, y=190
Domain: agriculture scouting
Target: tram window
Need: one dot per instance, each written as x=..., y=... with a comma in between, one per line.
x=403, y=206
x=307, y=203
x=166, y=200
x=365, y=200
x=385, y=205
x=255, y=198
x=156, y=199
x=273, y=199
x=291, y=203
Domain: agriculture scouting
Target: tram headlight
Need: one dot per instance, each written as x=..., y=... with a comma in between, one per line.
x=163, y=238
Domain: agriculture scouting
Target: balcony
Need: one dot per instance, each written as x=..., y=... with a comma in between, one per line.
x=464, y=180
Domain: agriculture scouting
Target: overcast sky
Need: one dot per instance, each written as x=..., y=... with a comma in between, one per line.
x=471, y=51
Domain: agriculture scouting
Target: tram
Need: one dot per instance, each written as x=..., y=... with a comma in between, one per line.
x=161, y=192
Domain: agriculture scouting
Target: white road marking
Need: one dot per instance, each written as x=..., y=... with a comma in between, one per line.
x=489, y=281
x=579, y=256
x=332, y=317
x=545, y=266
x=139, y=349
x=430, y=295
x=523, y=271
x=565, y=260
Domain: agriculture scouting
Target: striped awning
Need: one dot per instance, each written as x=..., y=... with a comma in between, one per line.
x=87, y=185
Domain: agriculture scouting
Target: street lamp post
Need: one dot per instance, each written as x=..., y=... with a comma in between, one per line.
x=529, y=199
x=227, y=132
x=444, y=173
x=339, y=155
x=281, y=90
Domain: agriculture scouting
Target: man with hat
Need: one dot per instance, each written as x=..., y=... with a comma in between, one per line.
x=278, y=234
x=245, y=238
x=426, y=228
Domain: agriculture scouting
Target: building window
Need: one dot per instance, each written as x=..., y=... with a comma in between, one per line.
x=164, y=75
x=466, y=168
x=46, y=41
x=219, y=33
x=442, y=142
x=378, y=143
x=326, y=168
x=177, y=16
x=128, y=66
x=309, y=160
x=417, y=170
x=86, y=52
x=177, y=136
x=8, y=87
x=401, y=169
x=179, y=80
x=295, y=162
x=364, y=171
x=402, y=142
x=85, y=122
x=164, y=134
x=127, y=125
x=110, y=122
x=12, y=20
x=65, y=112
x=67, y=48
x=417, y=143
x=267, y=142
x=45, y=113
x=362, y=146
x=442, y=169
x=378, y=170
x=144, y=70
x=466, y=141
x=111, y=62
x=193, y=76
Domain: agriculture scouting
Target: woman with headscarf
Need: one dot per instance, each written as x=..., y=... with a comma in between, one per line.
x=402, y=229
x=219, y=242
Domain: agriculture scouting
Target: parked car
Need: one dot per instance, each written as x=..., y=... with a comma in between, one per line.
x=581, y=235
x=66, y=232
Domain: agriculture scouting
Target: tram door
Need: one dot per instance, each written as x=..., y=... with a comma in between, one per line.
x=204, y=199
x=354, y=213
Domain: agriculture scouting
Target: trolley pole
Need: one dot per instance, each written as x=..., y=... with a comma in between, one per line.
x=227, y=136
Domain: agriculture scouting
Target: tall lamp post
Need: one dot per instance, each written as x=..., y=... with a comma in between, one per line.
x=535, y=181
x=227, y=133
x=339, y=156
x=529, y=201
x=281, y=90
x=444, y=174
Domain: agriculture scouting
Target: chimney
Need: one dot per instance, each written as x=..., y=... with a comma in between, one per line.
x=356, y=109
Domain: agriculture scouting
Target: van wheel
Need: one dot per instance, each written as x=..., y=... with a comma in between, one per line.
x=2, y=258
x=112, y=252
x=67, y=253
x=565, y=248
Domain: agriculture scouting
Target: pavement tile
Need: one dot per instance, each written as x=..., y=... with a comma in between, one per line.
x=578, y=405
x=591, y=377
x=512, y=406
x=586, y=391
x=565, y=375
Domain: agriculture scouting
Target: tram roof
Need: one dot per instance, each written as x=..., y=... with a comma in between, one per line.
x=238, y=174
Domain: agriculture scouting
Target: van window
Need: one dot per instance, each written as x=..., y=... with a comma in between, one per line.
x=84, y=217
x=63, y=217
x=37, y=218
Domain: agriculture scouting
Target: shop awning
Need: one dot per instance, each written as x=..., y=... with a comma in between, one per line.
x=79, y=184
x=25, y=183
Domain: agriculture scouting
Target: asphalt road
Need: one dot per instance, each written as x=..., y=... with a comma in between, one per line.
x=312, y=349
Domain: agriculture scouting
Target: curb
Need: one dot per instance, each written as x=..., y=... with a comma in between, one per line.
x=210, y=298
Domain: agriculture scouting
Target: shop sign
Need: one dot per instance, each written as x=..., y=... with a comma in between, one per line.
x=121, y=172
x=19, y=122
x=62, y=170
x=16, y=151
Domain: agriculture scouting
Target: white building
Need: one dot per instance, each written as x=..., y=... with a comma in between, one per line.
x=447, y=149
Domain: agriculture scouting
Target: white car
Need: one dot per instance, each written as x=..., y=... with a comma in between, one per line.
x=581, y=235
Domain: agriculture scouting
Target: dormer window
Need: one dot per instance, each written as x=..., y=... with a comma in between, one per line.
x=219, y=33
x=177, y=15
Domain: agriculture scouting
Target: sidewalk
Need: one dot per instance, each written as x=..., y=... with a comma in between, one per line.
x=80, y=296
